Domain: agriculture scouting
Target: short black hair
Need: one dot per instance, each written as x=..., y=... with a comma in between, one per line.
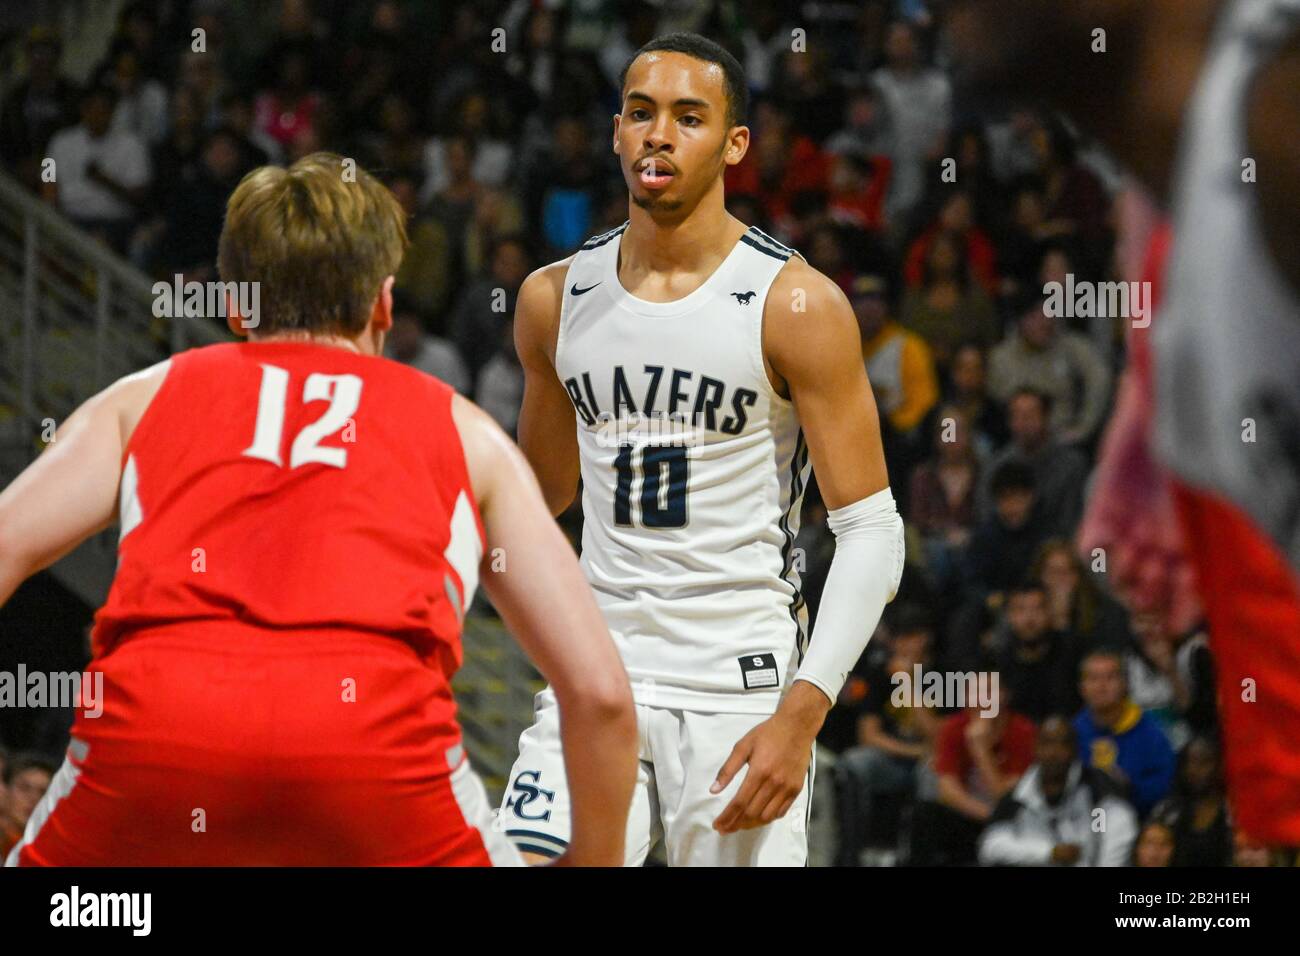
x=20, y=763
x=1012, y=476
x=702, y=48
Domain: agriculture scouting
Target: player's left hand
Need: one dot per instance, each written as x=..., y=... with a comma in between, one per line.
x=777, y=752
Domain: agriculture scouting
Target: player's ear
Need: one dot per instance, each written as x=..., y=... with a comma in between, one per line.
x=381, y=316
x=737, y=145
x=617, y=118
x=235, y=321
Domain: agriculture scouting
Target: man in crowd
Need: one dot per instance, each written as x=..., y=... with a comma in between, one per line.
x=1038, y=665
x=1117, y=737
x=892, y=739
x=1065, y=365
x=1059, y=470
x=101, y=176
x=1050, y=818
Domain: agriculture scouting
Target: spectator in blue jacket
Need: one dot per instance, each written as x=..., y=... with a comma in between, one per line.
x=1119, y=738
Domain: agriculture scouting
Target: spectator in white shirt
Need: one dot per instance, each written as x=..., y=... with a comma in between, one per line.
x=500, y=389
x=1050, y=818
x=141, y=101
x=919, y=103
x=101, y=176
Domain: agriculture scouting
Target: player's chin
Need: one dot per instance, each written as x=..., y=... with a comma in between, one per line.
x=656, y=201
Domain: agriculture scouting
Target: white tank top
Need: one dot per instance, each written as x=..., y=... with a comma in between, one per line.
x=1227, y=346
x=693, y=469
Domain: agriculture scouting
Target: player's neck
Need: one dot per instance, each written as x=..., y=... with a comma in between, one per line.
x=662, y=244
x=363, y=344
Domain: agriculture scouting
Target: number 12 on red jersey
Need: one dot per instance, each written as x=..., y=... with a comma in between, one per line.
x=343, y=392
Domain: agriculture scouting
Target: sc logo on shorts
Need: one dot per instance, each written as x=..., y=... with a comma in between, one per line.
x=527, y=791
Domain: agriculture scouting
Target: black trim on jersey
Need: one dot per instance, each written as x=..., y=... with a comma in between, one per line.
x=790, y=250
x=539, y=850
x=596, y=242
x=538, y=835
x=781, y=246
x=797, y=462
x=749, y=241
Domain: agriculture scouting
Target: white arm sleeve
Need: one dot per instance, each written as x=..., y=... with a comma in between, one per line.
x=863, y=578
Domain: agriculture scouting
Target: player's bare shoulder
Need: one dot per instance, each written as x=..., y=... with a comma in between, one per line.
x=129, y=397
x=537, y=312
x=806, y=317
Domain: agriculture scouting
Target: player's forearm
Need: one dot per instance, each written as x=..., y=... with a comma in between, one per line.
x=598, y=733
x=863, y=578
x=15, y=565
x=13, y=572
x=552, y=456
x=547, y=606
x=557, y=478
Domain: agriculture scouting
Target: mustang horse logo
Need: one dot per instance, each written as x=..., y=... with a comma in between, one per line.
x=743, y=297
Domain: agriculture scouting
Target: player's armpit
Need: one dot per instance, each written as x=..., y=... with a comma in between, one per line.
x=811, y=340
x=547, y=604
x=547, y=428
x=66, y=495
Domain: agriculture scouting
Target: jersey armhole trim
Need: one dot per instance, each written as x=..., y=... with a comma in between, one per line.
x=144, y=421
x=467, y=482
x=761, y=357
x=565, y=308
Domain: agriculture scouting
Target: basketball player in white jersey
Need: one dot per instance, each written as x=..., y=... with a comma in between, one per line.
x=689, y=370
x=1192, y=95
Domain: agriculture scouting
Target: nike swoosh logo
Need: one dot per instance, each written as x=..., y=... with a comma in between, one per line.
x=574, y=290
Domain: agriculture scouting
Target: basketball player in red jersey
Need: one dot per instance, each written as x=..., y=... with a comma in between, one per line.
x=1201, y=99
x=302, y=525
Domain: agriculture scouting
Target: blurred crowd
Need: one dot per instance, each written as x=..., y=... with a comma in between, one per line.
x=991, y=407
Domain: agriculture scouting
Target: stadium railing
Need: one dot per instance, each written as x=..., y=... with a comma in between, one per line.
x=74, y=317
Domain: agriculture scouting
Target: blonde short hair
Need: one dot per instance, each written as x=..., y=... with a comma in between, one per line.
x=319, y=237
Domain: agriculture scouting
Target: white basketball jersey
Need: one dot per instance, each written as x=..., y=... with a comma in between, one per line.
x=1227, y=341
x=693, y=469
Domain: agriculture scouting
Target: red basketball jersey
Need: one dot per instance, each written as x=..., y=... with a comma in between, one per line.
x=286, y=486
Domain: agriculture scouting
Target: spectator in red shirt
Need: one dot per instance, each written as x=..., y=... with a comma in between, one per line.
x=941, y=501
x=977, y=760
x=859, y=184
x=780, y=164
x=288, y=111
x=957, y=218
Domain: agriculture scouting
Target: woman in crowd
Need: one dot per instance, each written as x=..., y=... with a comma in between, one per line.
x=948, y=308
